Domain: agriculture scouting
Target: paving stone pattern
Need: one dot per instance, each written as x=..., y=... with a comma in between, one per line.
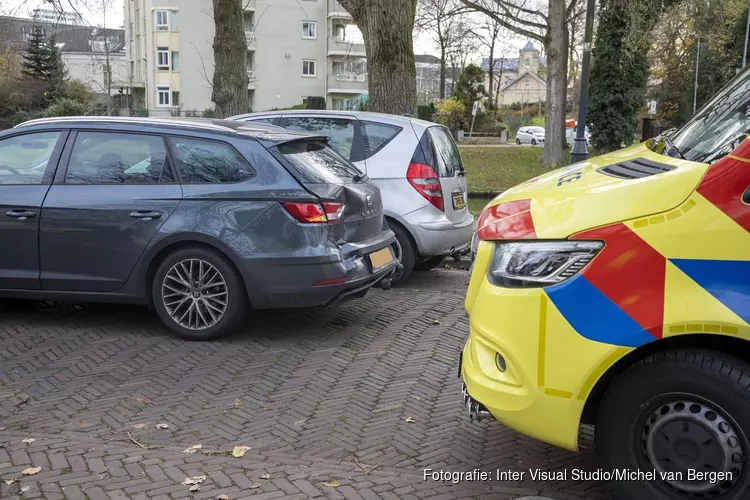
x=352, y=402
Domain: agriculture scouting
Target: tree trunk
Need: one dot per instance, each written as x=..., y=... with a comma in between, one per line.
x=442, y=73
x=230, y=59
x=557, y=78
x=387, y=26
x=491, y=71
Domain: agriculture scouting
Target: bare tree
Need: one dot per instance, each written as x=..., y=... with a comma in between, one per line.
x=551, y=29
x=387, y=27
x=489, y=33
x=230, y=59
x=442, y=20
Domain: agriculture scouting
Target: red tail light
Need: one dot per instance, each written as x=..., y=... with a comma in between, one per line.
x=425, y=180
x=314, y=213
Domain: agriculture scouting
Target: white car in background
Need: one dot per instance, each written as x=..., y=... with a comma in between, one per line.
x=417, y=166
x=530, y=135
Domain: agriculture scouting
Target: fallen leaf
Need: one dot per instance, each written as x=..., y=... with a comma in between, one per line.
x=266, y=476
x=28, y=440
x=193, y=480
x=239, y=451
x=31, y=471
x=139, y=426
x=192, y=449
x=141, y=401
x=25, y=489
x=410, y=420
x=222, y=497
x=237, y=403
x=162, y=426
x=10, y=481
x=435, y=322
x=195, y=488
x=332, y=484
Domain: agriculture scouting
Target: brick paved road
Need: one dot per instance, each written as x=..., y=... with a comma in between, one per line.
x=319, y=396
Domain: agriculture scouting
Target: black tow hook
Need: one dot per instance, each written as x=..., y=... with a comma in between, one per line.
x=387, y=282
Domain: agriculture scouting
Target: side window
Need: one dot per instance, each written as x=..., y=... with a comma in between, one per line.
x=117, y=158
x=24, y=158
x=208, y=162
x=376, y=135
x=269, y=121
x=339, y=130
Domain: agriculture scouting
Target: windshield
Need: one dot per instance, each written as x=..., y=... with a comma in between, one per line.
x=718, y=127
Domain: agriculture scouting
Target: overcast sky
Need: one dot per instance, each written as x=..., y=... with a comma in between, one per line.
x=93, y=13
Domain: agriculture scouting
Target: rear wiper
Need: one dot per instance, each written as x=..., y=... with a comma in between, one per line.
x=671, y=146
x=359, y=178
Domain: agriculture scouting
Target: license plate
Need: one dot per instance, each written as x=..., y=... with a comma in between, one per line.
x=459, y=201
x=381, y=258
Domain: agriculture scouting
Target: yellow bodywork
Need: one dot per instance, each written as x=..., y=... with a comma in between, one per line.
x=552, y=367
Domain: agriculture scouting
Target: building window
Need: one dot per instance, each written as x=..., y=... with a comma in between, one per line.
x=162, y=20
x=175, y=98
x=163, y=96
x=527, y=83
x=175, y=61
x=309, y=29
x=308, y=68
x=162, y=58
x=173, y=21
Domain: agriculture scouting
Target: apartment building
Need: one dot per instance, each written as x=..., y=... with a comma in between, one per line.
x=295, y=49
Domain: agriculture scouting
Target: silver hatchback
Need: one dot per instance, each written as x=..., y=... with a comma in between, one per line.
x=417, y=166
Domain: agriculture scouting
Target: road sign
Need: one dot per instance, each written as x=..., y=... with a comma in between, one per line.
x=652, y=107
x=475, y=109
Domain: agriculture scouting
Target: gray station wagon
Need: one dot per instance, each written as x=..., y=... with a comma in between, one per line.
x=199, y=219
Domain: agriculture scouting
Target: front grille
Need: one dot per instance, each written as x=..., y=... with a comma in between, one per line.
x=635, y=169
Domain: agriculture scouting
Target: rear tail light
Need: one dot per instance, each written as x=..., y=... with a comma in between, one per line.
x=314, y=213
x=425, y=180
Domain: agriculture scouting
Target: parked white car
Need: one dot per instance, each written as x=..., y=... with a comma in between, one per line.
x=530, y=135
x=417, y=166
x=570, y=135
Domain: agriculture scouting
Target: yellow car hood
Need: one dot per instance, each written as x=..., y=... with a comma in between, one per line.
x=579, y=197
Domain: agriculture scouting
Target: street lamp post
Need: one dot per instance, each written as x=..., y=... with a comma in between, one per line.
x=580, y=150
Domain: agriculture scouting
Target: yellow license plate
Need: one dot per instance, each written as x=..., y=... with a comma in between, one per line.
x=381, y=258
x=459, y=201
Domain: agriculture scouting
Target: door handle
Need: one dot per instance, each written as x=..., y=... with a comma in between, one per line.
x=21, y=214
x=145, y=215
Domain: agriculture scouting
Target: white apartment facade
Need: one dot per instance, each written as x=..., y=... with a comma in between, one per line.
x=295, y=49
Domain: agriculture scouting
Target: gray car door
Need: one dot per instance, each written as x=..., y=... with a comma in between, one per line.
x=116, y=190
x=27, y=164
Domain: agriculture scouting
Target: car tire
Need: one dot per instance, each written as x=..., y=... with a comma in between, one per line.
x=408, y=254
x=429, y=263
x=533, y=142
x=221, y=301
x=518, y=141
x=673, y=410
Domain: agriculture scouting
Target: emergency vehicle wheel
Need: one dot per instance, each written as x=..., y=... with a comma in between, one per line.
x=683, y=416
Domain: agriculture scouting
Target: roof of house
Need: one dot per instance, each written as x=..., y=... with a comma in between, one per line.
x=509, y=64
x=427, y=58
x=523, y=75
x=529, y=47
x=70, y=38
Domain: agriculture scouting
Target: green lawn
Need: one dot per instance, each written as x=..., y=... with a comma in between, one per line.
x=500, y=168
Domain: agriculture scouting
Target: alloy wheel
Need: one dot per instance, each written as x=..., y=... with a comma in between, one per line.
x=195, y=294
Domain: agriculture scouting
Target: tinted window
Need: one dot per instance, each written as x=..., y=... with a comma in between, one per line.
x=270, y=121
x=117, y=158
x=339, y=130
x=376, y=135
x=23, y=159
x=446, y=151
x=209, y=162
x=316, y=162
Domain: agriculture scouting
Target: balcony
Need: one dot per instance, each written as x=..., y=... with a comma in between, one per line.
x=248, y=5
x=335, y=10
x=250, y=39
x=340, y=47
x=347, y=83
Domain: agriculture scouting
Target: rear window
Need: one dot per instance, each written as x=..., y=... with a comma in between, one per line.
x=376, y=135
x=316, y=162
x=447, y=156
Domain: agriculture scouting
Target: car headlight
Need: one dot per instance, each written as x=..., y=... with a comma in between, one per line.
x=539, y=263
